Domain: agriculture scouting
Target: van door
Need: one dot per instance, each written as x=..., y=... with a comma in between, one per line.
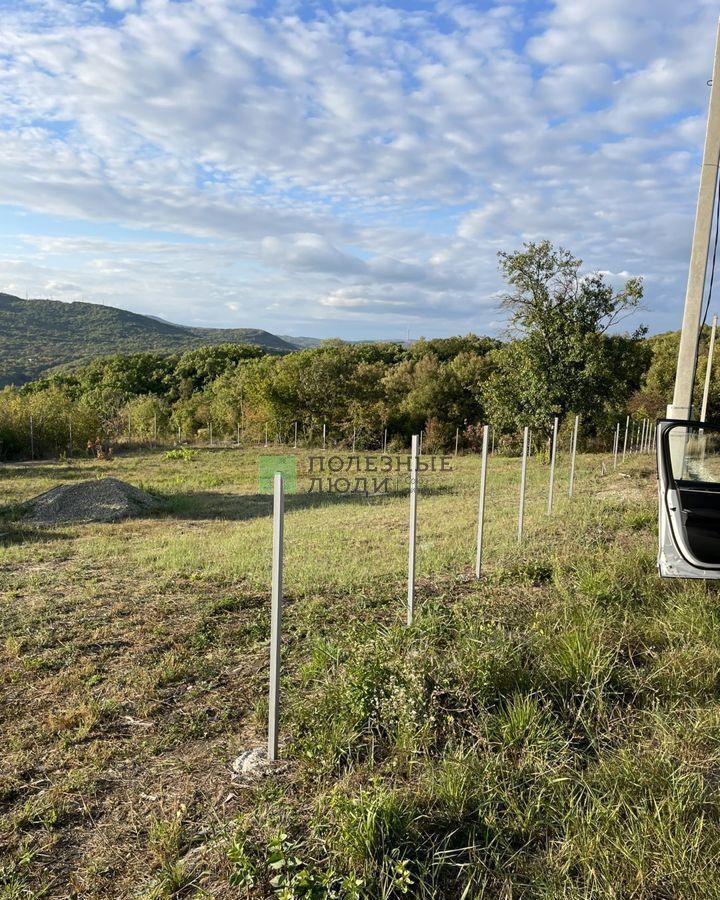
x=688, y=460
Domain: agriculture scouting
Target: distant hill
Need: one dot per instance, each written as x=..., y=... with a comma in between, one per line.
x=302, y=343
x=38, y=335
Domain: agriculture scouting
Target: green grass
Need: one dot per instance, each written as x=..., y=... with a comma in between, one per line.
x=550, y=731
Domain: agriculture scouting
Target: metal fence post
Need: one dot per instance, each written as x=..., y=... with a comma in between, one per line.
x=481, y=506
x=523, y=473
x=627, y=426
x=616, y=446
x=574, y=453
x=457, y=440
x=413, y=528
x=276, y=616
x=553, y=454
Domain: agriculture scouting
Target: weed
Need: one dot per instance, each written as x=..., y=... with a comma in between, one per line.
x=181, y=453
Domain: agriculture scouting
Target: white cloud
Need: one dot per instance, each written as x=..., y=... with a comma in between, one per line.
x=362, y=161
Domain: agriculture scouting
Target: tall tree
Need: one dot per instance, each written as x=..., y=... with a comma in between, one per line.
x=564, y=360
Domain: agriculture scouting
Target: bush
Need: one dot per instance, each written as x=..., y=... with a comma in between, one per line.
x=183, y=453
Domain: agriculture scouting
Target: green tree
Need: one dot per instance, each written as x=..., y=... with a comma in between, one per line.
x=564, y=360
x=196, y=369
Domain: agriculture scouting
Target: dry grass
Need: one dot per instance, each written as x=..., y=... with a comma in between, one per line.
x=133, y=656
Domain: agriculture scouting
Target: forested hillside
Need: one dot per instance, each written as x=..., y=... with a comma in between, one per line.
x=563, y=362
x=38, y=335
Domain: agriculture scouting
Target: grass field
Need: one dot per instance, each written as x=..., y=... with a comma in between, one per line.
x=551, y=731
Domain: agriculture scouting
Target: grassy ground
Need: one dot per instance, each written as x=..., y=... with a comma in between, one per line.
x=551, y=731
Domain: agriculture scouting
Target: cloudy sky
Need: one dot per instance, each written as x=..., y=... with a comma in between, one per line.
x=339, y=168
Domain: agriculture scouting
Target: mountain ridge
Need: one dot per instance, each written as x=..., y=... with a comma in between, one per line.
x=37, y=335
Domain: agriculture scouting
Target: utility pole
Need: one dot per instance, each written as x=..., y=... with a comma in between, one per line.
x=681, y=407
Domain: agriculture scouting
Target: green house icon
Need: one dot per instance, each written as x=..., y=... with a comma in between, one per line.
x=269, y=465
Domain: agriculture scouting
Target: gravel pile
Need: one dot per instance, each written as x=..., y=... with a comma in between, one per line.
x=103, y=500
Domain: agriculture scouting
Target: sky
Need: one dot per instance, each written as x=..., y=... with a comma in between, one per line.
x=346, y=169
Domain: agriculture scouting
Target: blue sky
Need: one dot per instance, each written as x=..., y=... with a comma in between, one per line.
x=343, y=168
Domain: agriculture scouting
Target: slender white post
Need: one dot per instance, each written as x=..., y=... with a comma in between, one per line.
x=70, y=447
x=617, y=445
x=237, y=433
x=644, y=435
x=276, y=616
x=354, y=431
x=266, y=434
x=574, y=454
x=32, y=438
x=457, y=440
x=523, y=474
x=385, y=441
x=553, y=454
x=625, y=443
x=481, y=505
x=414, y=452
x=155, y=427
x=211, y=439
x=324, y=434
x=708, y=370
x=295, y=441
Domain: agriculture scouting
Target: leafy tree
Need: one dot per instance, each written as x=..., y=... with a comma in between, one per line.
x=196, y=369
x=564, y=360
x=145, y=417
x=447, y=349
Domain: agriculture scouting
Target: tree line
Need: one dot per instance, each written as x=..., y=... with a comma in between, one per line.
x=563, y=357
